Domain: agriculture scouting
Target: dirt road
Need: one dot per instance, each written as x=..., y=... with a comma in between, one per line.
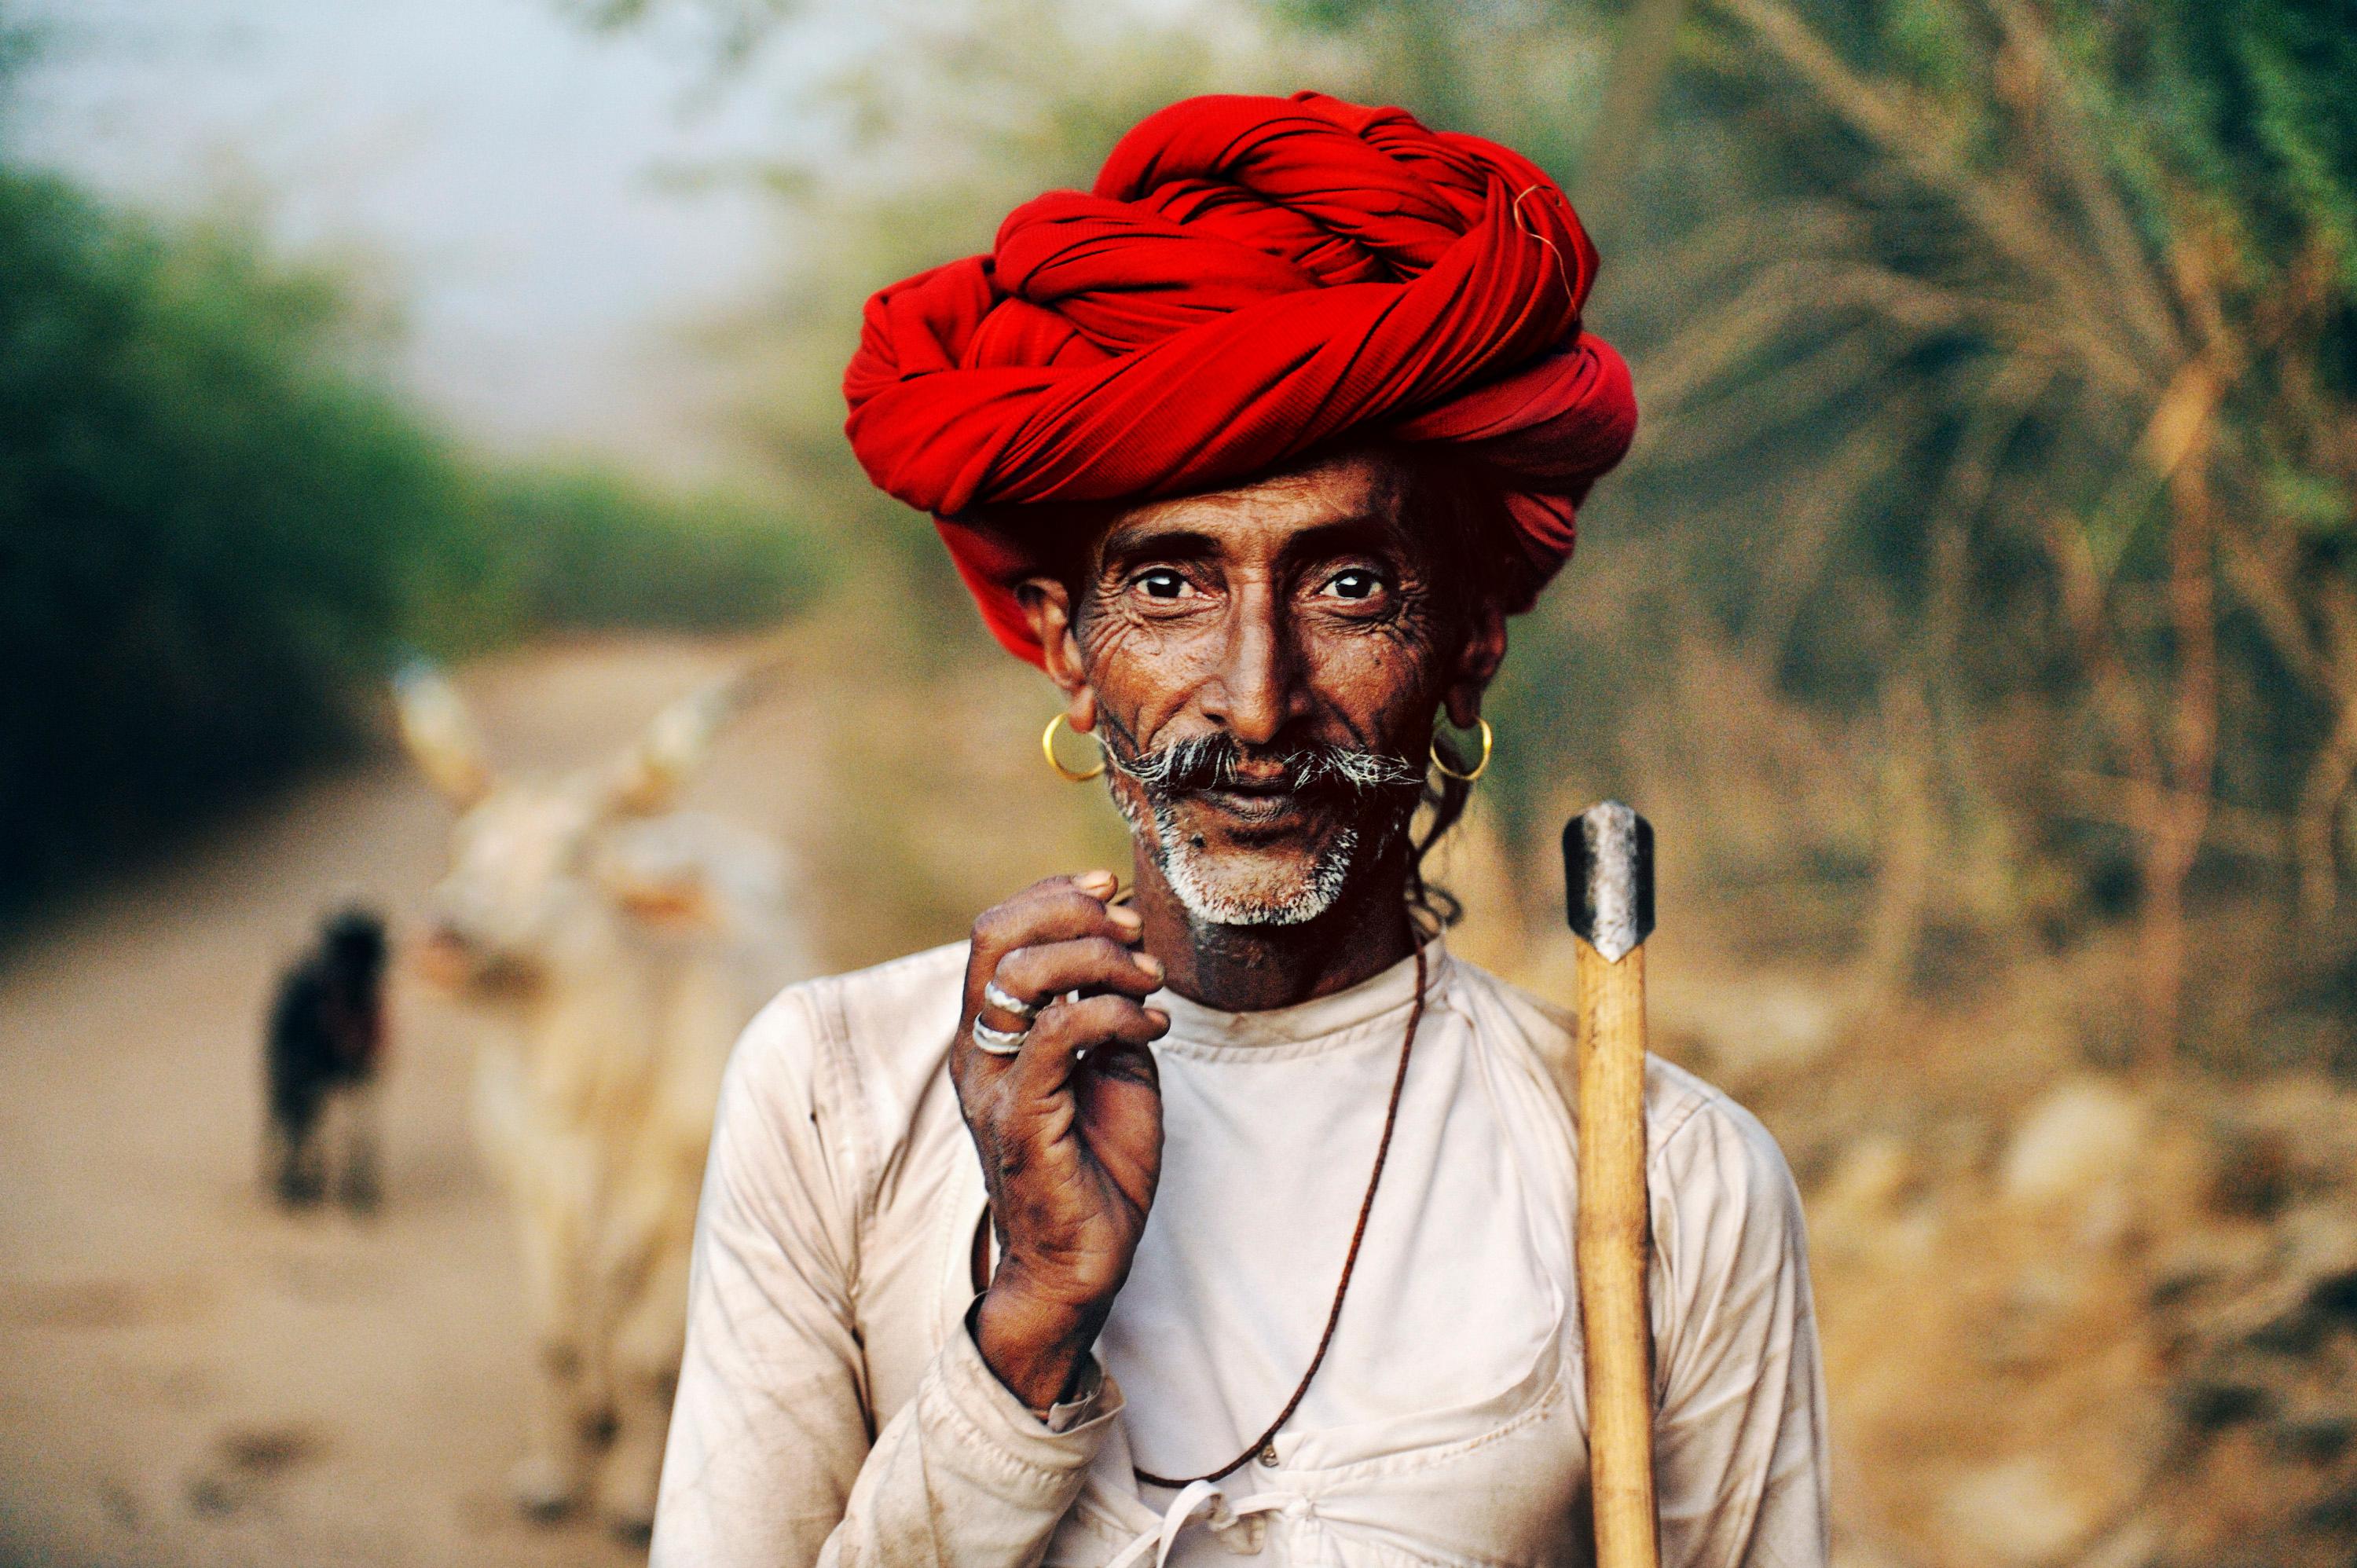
x=191, y=1377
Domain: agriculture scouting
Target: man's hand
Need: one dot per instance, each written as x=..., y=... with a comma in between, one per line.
x=1070, y=1128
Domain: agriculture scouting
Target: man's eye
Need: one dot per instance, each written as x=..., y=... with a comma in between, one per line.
x=1162, y=583
x=1355, y=584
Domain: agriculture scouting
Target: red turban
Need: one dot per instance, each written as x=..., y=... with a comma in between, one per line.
x=1251, y=278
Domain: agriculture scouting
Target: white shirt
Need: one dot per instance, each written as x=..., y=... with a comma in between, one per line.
x=1270, y=1122
x=832, y=1409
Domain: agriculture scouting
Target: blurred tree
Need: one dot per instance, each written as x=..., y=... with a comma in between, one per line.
x=2082, y=277
x=210, y=530
x=586, y=548
x=218, y=522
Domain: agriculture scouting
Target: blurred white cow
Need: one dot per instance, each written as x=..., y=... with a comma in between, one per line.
x=609, y=948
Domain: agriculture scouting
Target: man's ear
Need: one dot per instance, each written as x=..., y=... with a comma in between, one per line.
x=1049, y=605
x=1477, y=661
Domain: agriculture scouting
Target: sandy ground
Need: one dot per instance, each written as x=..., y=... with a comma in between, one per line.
x=189, y=1376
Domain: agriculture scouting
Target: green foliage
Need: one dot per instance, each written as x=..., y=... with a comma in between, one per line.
x=210, y=532
x=582, y=548
x=2249, y=102
x=217, y=529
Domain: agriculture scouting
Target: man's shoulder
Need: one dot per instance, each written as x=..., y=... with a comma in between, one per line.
x=1697, y=1135
x=873, y=1033
x=872, y=1004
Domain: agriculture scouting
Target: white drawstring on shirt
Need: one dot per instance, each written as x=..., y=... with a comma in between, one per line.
x=1226, y=1515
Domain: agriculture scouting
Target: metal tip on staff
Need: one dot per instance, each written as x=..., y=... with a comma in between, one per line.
x=1608, y=865
x=1608, y=878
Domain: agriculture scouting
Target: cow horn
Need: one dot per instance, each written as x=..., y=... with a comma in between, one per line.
x=676, y=744
x=439, y=733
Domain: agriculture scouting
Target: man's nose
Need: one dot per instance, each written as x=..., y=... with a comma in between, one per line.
x=1257, y=689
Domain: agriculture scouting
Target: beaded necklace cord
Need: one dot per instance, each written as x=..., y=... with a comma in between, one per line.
x=1349, y=1262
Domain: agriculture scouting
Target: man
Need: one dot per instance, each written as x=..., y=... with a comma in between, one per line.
x=1268, y=1250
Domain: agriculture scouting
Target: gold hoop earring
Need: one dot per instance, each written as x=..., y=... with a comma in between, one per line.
x=1047, y=750
x=1489, y=739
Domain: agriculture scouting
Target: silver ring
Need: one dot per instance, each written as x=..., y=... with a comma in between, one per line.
x=997, y=1042
x=998, y=997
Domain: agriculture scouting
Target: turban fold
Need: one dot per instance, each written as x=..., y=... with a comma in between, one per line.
x=1250, y=278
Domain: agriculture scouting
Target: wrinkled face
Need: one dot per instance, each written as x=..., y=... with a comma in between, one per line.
x=519, y=867
x=1264, y=665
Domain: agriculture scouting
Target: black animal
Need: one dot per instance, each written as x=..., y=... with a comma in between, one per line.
x=325, y=1046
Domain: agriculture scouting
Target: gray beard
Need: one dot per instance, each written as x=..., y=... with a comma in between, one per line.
x=1214, y=895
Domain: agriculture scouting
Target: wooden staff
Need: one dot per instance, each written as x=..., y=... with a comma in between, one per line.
x=1608, y=859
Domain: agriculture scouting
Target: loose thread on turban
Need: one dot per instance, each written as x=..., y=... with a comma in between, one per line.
x=1542, y=239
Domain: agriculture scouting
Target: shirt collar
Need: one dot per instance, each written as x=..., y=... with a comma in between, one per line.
x=1381, y=998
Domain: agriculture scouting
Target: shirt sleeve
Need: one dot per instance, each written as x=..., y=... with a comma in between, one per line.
x=1740, y=1433
x=773, y=1459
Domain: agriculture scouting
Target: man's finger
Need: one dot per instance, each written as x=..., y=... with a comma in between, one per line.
x=1040, y=974
x=1045, y=1062
x=1047, y=913
x=1122, y=1085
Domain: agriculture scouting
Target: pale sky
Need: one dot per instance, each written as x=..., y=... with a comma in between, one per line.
x=508, y=178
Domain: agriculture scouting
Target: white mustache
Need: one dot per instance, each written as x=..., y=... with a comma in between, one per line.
x=1216, y=760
